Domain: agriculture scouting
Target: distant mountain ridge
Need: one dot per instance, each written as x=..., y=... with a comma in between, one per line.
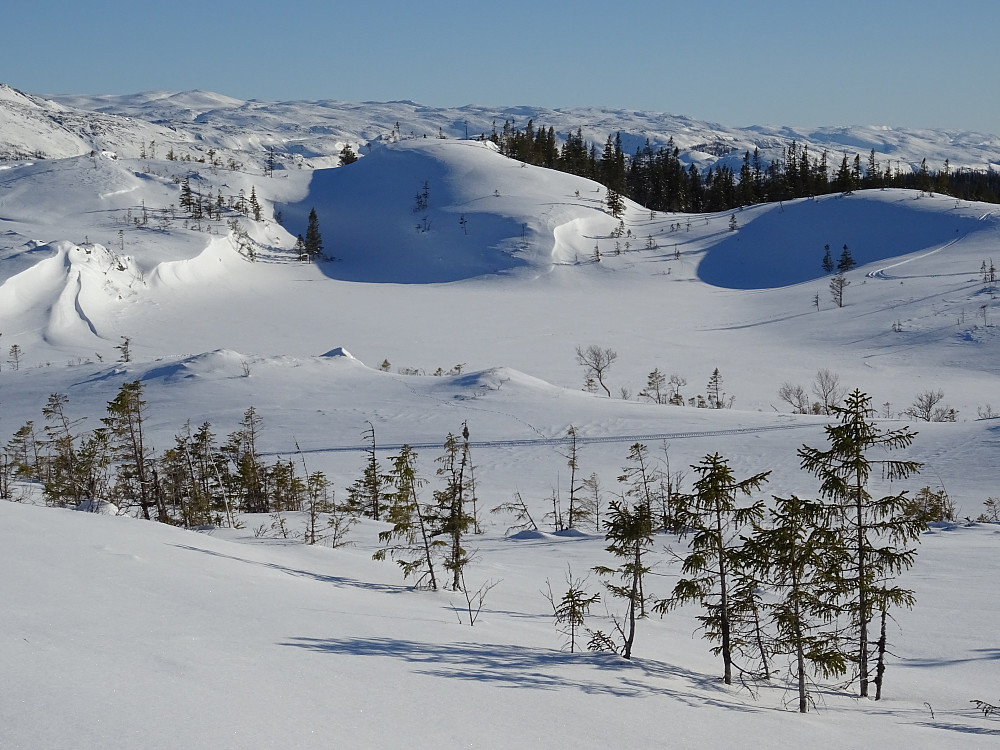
x=314, y=132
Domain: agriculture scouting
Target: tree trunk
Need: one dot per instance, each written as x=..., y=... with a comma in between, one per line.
x=727, y=656
x=880, y=664
x=636, y=595
x=863, y=594
x=800, y=657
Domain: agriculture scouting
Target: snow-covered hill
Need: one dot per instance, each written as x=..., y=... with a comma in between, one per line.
x=495, y=279
x=314, y=132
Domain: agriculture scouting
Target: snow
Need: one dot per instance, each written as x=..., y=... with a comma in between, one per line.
x=314, y=130
x=779, y=250
x=123, y=633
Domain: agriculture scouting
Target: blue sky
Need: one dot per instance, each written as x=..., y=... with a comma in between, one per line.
x=736, y=62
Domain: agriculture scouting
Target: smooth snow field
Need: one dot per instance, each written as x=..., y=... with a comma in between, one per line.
x=122, y=633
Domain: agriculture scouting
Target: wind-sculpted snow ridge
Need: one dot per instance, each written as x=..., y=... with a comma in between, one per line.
x=783, y=244
x=227, y=364
x=429, y=211
x=218, y=365
x=69, y=293
x=187, y=272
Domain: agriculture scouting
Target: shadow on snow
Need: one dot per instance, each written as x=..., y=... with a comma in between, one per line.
x=535, y=668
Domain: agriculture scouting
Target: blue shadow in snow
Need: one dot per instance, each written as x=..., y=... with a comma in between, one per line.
x=335, y=580
x=370, y=229
x=785, y=245
x=524, y=667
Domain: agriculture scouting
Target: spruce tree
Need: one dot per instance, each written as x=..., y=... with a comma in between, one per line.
x=641, y=477
x=136, y=475
x=347, y=155
x=255, y=210
x=716, y=396
x=453, y=520
x=629, y=533
x=827, y=260
x=197, y=476
x=800, y=555
x=837, y=286
x=843, y=180
x=313, y=239
x=715, y=522
x=365, y=494
x=846, y=261
x=577, y=512
x=62, y=483
x=615, y=202
x=879, y=533
x=415, y=550
x=655, y=390
x=248, y=482
x=24, y=450
x=571, y=608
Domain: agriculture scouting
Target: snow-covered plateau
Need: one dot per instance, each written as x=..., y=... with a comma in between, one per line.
x=121, y=633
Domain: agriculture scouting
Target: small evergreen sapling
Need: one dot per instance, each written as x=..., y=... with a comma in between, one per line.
x=451, y=516
x=313, y=238
x=827, y=260
x=522, y=516
x=571, y=608
x=629, y=533
x=846, y=261
x=577, y=511
x=415, y=549
x=347, y=155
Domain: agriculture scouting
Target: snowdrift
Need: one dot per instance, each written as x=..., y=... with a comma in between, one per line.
x=428, y=210
x=68, y=294
x=784, y=244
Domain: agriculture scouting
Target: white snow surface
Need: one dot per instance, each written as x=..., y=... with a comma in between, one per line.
x=315, y=131
x=119, y=633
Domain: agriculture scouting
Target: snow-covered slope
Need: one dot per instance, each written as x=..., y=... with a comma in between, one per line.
x=469, y=212
x=119, y=633
x=34, y=127
x=115, y=619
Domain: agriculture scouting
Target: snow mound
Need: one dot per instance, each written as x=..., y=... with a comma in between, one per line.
x=528, y=534
x=425, y=211
x=101, y=187
x=780, y=245
x=219, y=364
x=225, y=364
x=534, y=534
x=340, y=352
x=497, y=377
x=570, y=534
x=101, y=507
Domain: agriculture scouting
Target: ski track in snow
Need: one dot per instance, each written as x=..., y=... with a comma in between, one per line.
x=560, y=441
x=881, y=272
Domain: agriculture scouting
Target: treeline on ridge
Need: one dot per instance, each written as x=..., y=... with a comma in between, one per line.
x=658, y=179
